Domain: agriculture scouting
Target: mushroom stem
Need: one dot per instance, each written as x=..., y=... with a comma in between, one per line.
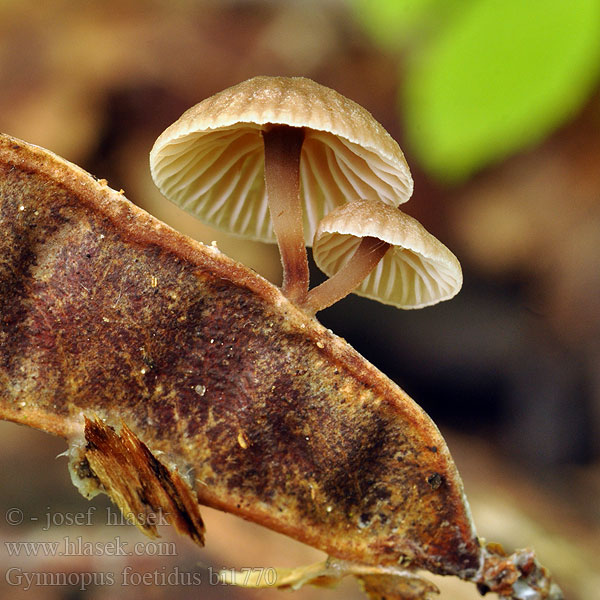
x=365, y=258
x=282, y=180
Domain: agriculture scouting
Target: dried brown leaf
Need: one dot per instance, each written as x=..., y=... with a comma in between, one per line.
x=144, y=489
x=111, y=319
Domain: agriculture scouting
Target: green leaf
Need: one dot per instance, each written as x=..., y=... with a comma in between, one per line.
x=391, y=22
x=501, y=76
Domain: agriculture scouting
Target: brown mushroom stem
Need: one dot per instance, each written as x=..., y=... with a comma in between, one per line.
x=283, y=145
x=365, y=258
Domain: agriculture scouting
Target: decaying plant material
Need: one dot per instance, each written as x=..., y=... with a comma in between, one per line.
x=179, y=377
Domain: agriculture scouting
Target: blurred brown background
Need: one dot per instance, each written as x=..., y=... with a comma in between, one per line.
x=509, y=370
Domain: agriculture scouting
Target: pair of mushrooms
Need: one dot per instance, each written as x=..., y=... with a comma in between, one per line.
x=330, y=176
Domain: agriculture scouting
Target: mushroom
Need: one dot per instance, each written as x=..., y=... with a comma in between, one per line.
x=288, y=145
x=392, y=254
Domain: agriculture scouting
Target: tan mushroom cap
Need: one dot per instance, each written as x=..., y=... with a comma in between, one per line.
x=210, y=162
x=416, y=271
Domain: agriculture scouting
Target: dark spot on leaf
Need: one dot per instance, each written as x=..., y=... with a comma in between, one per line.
x=365, y=518
x=435, y=481
x=482, y=589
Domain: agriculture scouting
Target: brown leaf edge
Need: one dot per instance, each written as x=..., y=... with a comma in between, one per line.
x=122, y=466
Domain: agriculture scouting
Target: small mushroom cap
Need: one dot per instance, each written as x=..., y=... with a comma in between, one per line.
x=417, y=270
x=211, y=161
